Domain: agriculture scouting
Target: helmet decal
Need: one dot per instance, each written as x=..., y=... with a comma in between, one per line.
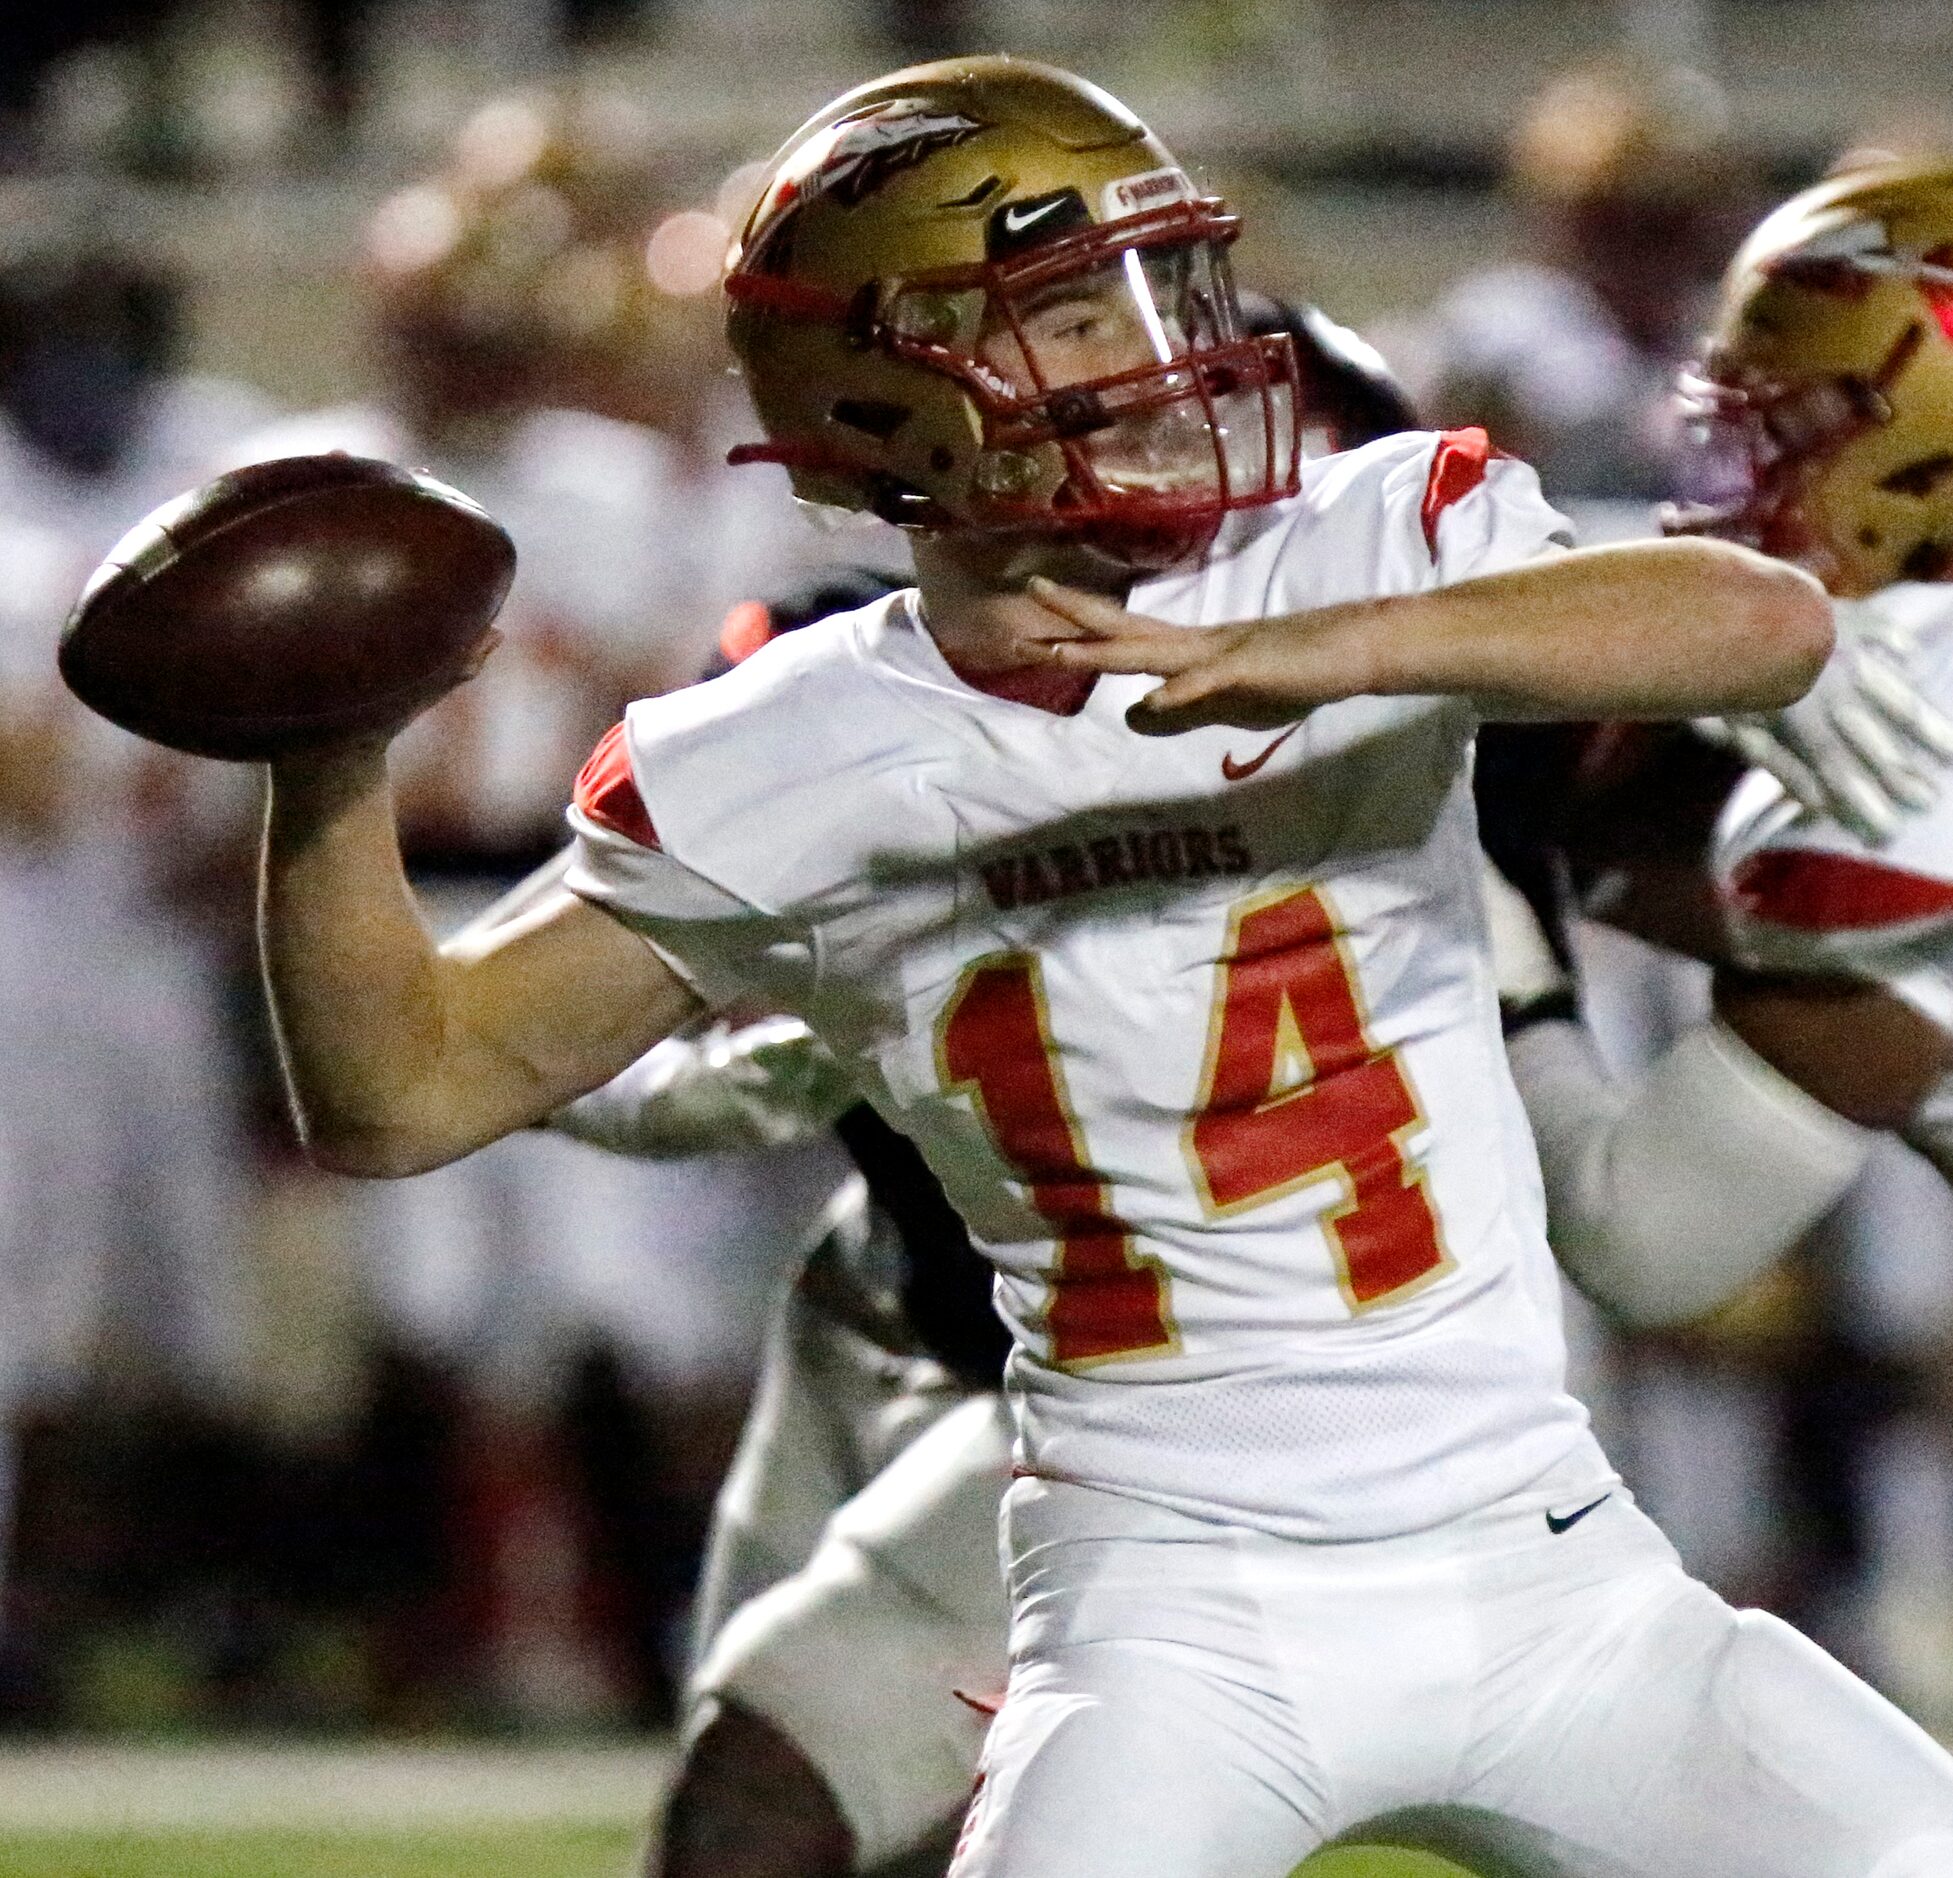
x=1015, y=226
x=850, y=160
x=1128, y=195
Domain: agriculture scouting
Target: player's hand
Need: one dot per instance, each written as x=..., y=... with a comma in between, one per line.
x=1533, y=983
x=1258, y=675
x=367, y=748
x=1865, y=745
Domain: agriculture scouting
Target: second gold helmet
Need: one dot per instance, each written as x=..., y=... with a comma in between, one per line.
x=1826, y=389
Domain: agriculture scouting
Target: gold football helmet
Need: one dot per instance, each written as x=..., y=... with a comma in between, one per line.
x=980, y=294
x=1825, y=396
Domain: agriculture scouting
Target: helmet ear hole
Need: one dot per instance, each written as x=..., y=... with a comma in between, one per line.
x=873, y=417
x=901, y=503
x=1928, y=561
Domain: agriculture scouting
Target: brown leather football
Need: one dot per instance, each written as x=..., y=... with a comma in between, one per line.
x=286, y=605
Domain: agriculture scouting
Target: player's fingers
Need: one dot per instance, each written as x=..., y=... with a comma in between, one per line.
x=1838, y=790
x=1871, y=740
x=1091, y=612
x=1906, y=708
x=1162, y=653
x=1215, y=693
x=1866, y=810
x=1803, y=784
x=1183, y=703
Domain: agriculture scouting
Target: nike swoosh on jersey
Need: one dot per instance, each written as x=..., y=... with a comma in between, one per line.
x=1559, y=1523
x=1015, y=223
x=1235, y=772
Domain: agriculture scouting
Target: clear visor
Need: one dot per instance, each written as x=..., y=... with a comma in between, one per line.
x=1135, y=362
x=1728, y=448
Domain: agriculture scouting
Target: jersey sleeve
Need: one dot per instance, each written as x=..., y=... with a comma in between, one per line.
x=1480, y=511
x=710, y=937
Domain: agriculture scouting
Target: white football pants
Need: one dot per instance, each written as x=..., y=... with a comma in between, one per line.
x=1190, y=1700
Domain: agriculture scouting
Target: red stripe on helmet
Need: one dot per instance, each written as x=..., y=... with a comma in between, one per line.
x=606, y=791
x=794, y=299
x=1809, y=890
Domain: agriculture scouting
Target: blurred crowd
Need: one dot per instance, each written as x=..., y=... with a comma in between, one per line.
x=286, y=1450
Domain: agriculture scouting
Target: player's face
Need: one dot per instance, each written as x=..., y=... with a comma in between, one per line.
x=1079, y=330
x=1133, y=319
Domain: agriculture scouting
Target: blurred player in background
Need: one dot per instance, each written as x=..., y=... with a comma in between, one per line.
x=120, y=1251
x=526, y=359
x=1632, y=196
x=1826, y=401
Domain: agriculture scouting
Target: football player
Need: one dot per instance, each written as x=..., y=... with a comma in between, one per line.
x=856, y=1527
x=1630, y=192
x=1828, y=389
x=1716, y=1151
x=1196, y=1027
x=1826, y=405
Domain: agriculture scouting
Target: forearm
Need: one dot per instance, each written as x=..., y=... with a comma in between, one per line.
x=1643, y=630
x=351, y=972
x=1668, y=1195
x=401, y=1057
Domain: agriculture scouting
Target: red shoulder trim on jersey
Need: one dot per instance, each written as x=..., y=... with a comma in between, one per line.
x=1808, y=890
x=744, y=630
x=606, y=791
x=1457, y=468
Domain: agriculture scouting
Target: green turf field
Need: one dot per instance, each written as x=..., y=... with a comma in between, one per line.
x=588, y=1852
x=92, y=1811
x=530, y=1852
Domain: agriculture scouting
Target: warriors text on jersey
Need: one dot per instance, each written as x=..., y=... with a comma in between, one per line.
x=1198, y=1032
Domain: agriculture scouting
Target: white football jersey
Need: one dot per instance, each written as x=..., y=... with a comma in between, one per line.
x=1199, y=1032
x=1807, y=895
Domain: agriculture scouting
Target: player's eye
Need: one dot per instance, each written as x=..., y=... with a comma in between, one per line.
x=1069, y=321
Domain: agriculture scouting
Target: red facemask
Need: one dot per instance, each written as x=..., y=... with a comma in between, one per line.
x=1119, y=343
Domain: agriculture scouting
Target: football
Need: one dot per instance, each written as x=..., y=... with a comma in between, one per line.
x=286, y=605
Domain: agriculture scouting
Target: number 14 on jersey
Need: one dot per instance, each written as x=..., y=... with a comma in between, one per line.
x=1292, y=1092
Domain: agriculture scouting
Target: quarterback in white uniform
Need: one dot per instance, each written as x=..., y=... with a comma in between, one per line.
x=1200, y=1034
